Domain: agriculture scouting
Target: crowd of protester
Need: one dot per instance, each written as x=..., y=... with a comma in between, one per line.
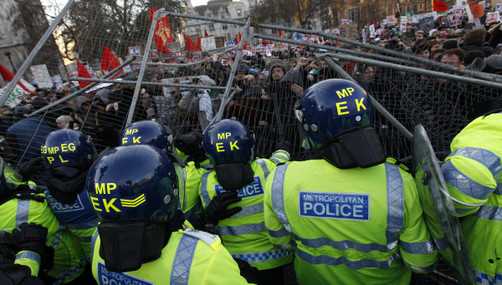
x=265, y=88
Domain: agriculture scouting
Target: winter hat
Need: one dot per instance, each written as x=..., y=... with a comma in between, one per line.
x=493, y=63
x=278, y=63
x=448, y=44
x=81, y=100
x=39, y=102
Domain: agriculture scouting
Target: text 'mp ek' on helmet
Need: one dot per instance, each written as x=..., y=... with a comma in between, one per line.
x=147, y=132
x=135, y=182
x=228, y=141
x=229, y=147
x=332, y=107
x=68, y=147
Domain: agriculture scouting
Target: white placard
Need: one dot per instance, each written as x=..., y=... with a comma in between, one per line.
x=42, y=76
x=207, y=43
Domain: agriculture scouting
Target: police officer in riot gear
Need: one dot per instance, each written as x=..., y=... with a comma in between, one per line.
x=473, y=173
x=69, y=154
x=134, y=192
x=232, y=198
x=351, y=217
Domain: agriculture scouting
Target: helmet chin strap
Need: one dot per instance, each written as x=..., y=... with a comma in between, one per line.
x=358, y=147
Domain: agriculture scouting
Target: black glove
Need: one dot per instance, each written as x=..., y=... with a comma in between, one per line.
x=31, y=167
x=284, y=145
x=191, y=145
x=217, y=208
x=32, y=237
x=8, y=248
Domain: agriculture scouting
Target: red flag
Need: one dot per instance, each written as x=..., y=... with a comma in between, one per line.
x=189, y=44
x=109, y=62
x=237, y=39
x=82, y=72
x=198, y=45
x=373, y=22
x=439, y=6
x=163, y=33
x=240, y=37
x=280, y=33
x=205, y=33
x=477, y=11
x=8, y=76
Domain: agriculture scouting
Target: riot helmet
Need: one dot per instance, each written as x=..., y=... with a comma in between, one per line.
x=133, y=190
x=336, y=115
x=136, y=182
x=228, y=141
x=69, y=148
x=229, y=147
x=148, y=132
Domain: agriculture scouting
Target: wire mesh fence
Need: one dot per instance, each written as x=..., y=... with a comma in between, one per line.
x=203, y=78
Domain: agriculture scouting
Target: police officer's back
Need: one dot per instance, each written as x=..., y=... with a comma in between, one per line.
x=133, y=190
x=473, y=173
x=69, y=154
x=232, y=198
x=351, y=217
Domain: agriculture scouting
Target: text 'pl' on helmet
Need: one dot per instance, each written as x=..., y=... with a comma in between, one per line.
x=68, y=147
x=228, y=141
x=147, y=132
x=331, y=107
x=135, y=182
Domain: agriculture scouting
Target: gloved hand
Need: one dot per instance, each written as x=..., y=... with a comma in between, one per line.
x=191, y=145
x=32, y=237
x=31, y=167
x=284, y=145
x=217, y=208
x=8, y=248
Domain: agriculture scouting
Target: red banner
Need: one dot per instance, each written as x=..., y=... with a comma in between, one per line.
x=163, y=33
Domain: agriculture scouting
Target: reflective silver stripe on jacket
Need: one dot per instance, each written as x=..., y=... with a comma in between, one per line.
x=249, y=210
x=93, y=243
x=277, y=196
x=417, y=247
x=262, y=256
x=203, y=189
x=22, y=211
x=489, y=159
x=241, y=230
x=182, y=262
x=395, y=204
x=264, y=167
x=490, y=213
x=463, y=183
x=354, y=265
x=29, y=255
x=280, y=155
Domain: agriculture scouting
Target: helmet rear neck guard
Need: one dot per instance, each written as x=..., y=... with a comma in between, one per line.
x=235, y=175
x=126, y=245
x=355, y=148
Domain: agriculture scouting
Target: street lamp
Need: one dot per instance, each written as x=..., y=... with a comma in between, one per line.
x=7, y=53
